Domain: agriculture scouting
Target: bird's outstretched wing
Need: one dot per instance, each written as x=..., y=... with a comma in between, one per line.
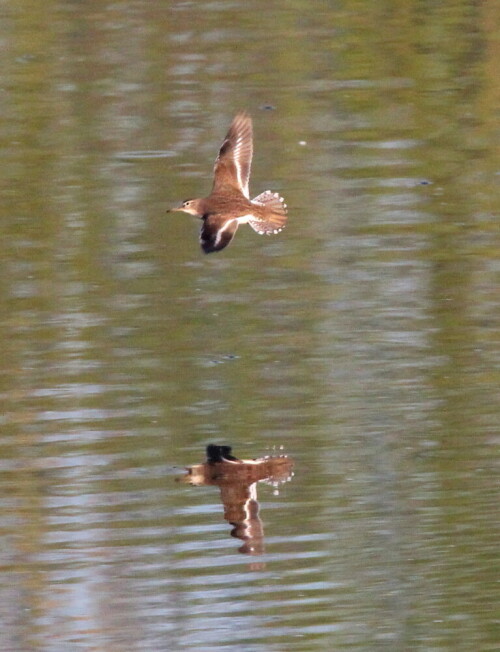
x=216, y=234
x=233, y=164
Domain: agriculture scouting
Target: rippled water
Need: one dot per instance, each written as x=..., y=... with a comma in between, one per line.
x=362, y=341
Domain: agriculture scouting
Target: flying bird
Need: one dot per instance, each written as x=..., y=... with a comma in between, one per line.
x=229, y=203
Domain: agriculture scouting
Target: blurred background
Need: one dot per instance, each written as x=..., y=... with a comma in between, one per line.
x=363, y=341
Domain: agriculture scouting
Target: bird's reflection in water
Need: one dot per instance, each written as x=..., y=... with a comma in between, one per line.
x=238, y=480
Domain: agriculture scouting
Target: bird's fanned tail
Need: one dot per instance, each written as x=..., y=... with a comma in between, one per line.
x=276, y=215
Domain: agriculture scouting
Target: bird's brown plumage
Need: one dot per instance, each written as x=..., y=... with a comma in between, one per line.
x=229, y=205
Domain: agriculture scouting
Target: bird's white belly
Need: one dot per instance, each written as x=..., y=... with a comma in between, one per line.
x=243, y=219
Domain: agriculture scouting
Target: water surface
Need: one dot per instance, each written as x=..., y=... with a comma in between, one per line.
x=362, y=341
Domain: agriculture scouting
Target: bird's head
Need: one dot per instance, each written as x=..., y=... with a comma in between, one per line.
x=191, y=206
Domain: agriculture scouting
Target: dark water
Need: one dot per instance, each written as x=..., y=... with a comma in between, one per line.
x=362, y=341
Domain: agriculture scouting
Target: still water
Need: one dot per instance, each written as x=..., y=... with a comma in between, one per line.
x=362, y=341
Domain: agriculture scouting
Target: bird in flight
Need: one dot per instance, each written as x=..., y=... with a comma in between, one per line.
x=229, y=203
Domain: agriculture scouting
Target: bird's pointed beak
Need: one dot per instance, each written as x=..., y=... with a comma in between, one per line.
x=174, y=209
